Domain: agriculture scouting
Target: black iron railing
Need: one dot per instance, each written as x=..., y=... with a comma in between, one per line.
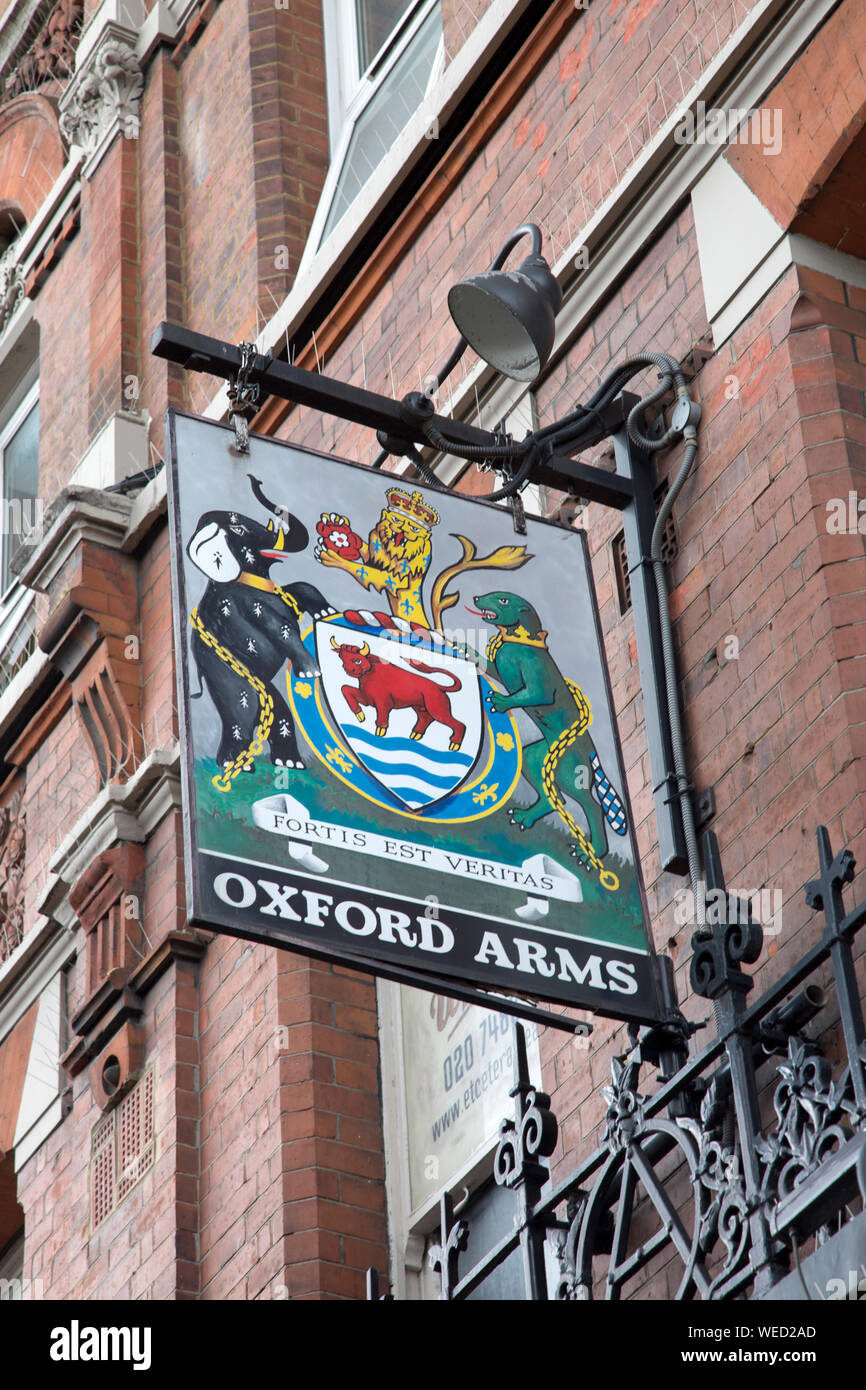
x=758, y=1190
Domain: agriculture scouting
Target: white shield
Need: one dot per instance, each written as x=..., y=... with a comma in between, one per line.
x=407, y=707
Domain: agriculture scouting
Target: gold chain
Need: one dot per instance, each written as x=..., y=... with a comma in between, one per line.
x=496, y=642
x=493, y=647
x=557, y=750
x=223, y=780
x=287, y=598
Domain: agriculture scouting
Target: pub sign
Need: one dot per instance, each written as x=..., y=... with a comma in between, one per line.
x=398, y=743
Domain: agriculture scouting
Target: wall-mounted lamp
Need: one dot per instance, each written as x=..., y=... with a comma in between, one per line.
x=509, y=316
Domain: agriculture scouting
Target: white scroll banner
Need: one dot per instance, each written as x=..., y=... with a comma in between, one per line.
x=539, y=877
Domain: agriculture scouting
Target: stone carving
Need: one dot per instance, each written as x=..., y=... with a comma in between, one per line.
x=104, y=94
x=11, y=287
x=51, y=56
x=12, y=848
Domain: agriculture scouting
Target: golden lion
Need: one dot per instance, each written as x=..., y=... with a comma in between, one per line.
x=396, y=556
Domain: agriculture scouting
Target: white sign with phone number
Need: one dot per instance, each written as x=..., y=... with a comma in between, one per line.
x=459, y=1068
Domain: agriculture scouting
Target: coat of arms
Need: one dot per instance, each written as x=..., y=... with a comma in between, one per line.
x=393, y=695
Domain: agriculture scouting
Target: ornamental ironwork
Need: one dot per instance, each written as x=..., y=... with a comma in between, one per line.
x=812, y=1110
x=694, y=1169
x=521, y=1146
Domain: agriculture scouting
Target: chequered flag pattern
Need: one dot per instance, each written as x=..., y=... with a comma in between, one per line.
x=613, y=808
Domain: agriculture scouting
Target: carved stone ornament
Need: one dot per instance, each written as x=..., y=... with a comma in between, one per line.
x=11, y=288
x=51, y=56
x=79, y=564
x=104, y=95
x=12, y=849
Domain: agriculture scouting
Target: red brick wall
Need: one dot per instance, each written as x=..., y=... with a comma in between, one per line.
x=776, y=732
x=333, y=1168
x=292, y=1192
x=161, y=241
x=110, y=205
x=63, y=317
x=819, y=134
x=269, y=1173
x=216, y=186
x=31, y=152
x=290, y=138
x=252, y=141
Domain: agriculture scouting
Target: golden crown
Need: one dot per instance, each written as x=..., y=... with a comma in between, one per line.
x=414, y=507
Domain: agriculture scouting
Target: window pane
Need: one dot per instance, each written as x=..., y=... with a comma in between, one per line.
x=490, y=1215
x=12, y=1264
x=378, y=126
x=20, y=488
x=376, y=21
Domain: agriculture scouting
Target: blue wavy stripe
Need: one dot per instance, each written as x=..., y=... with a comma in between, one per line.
x=407, y=745
x=405, y=770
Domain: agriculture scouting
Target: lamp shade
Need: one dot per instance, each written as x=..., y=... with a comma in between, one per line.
x=509, y=316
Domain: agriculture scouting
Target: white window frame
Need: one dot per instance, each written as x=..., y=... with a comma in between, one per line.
x=12, y=1270
x=15, y=600
x=349, y=91
x=411, y=1229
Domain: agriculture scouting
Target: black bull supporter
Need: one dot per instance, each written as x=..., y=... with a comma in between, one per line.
x=247, y=627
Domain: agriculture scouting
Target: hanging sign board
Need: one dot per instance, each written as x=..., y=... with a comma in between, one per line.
x=397, y=729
